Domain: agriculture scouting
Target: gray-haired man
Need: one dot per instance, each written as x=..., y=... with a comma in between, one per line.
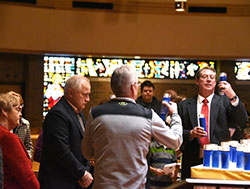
x=118, y=134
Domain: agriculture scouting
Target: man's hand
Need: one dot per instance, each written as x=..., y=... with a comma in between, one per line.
x=157, y=171
x=197, y=132
x=172, y=174
x=226, y=88
x=92, y=162
x=172, y=107
x=86, y=179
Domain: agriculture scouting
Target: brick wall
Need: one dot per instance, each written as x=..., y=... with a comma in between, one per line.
x=24, y=74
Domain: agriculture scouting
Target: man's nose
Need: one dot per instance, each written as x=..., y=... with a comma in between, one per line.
x=87, y=98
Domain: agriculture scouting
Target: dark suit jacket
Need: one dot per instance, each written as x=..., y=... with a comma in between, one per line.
x=155, y=104
x=62, y=161
x=221, y=114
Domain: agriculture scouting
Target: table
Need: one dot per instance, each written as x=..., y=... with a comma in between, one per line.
x=190, y=183
x=200, y=172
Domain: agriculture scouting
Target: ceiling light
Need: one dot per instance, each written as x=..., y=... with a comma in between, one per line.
x=180, y=5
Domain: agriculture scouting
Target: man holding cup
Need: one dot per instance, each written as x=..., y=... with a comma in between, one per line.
x=220, y=112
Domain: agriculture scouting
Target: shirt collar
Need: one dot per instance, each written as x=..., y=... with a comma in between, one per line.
x=125, y=99
x=201, y=98
x=73, y=107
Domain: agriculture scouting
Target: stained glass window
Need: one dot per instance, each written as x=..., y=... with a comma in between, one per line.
x=146, y=68
x=242, y=70
x=58, y=69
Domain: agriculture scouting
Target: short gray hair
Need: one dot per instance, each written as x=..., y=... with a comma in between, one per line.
x=122, y=79
x=7, y=101
x=74, y=82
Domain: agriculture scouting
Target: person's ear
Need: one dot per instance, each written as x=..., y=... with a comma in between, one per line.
x=3, y=112
x=197, y=81
x=70, y=92
x=134, y=91
x=132, y=87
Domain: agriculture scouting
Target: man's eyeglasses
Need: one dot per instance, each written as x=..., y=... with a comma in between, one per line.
x=138, y=83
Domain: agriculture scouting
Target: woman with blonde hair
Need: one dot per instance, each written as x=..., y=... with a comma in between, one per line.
x=23, y=129
x=17, y=167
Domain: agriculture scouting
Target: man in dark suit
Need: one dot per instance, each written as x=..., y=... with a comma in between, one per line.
x=223, y=110
x=63, y=165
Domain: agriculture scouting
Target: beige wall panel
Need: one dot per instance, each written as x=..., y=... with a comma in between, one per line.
x=31, y=29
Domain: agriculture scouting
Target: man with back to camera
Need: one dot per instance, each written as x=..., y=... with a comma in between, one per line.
x=221, y=111
x=118, y=134
x=63, y=166
x=147, y=98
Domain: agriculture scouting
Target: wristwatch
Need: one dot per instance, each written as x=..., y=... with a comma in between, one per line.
x=234, y=98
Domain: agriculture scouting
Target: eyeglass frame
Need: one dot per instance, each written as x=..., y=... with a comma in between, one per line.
x=138, y=83
x=18, y=108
